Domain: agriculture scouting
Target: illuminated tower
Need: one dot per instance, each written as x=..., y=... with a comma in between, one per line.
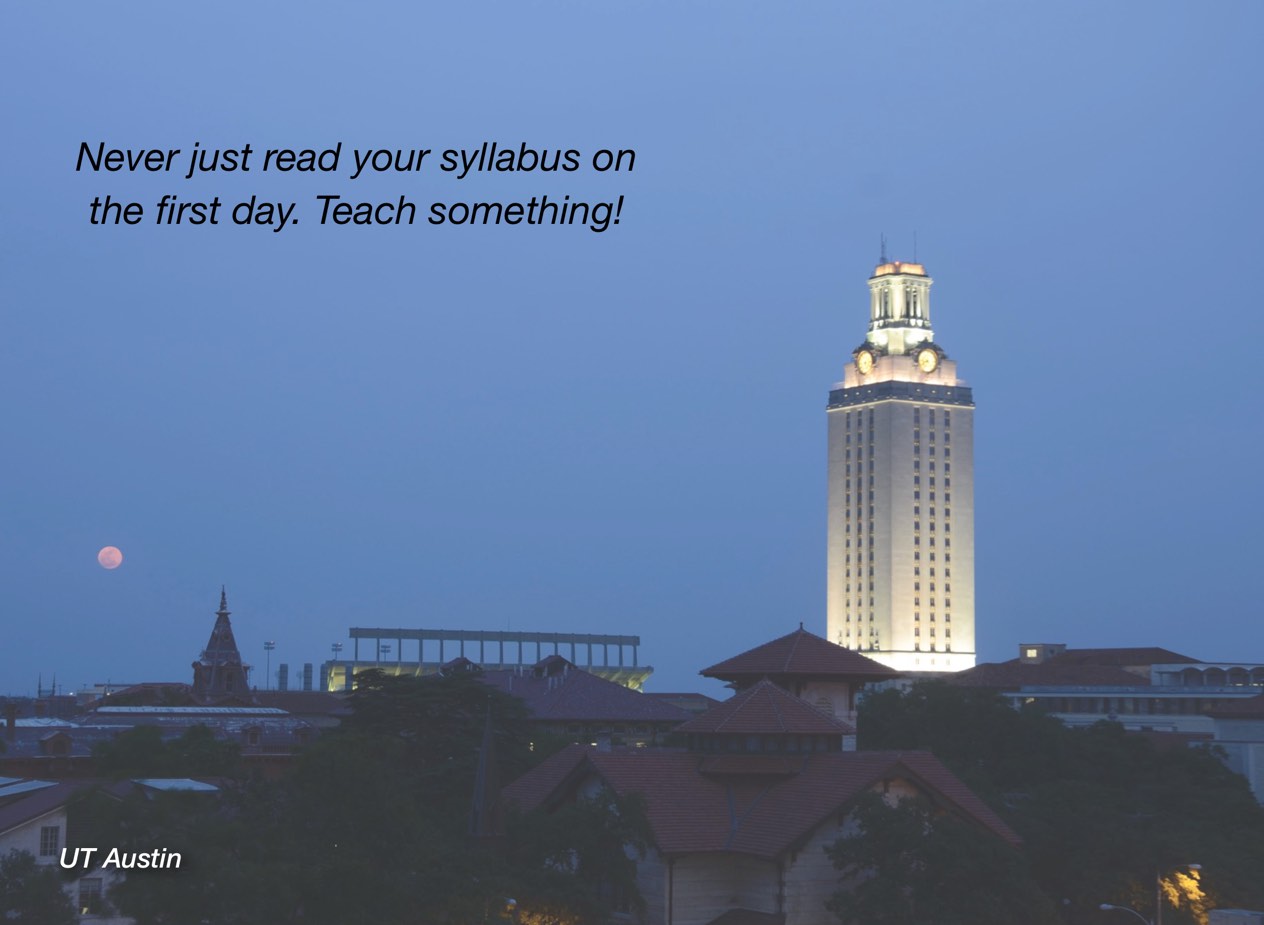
x=900, y=584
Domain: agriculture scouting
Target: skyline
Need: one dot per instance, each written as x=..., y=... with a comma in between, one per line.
x=550, y=429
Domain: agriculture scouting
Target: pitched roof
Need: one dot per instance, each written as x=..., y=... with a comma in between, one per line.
x=1052, y=673
x=1136, y=655
x=560, y=692
x=802, y=654
x=766, y=709
x=37, y=803
x=692, y=812
x=322, y=703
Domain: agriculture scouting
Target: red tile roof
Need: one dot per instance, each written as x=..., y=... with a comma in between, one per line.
x=36, y=803
x=574, y=694
x=1136, y=656
x=767, y=709
x=1053, y=673
x=692, y=812
x=803, y=655
x=322, y=703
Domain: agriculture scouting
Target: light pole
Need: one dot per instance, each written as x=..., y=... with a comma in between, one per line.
x=1105, y=907
x=1158, y=891
x=268, y=647
x=336, y=649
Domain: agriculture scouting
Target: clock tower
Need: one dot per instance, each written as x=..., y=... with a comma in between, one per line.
x=900, y=559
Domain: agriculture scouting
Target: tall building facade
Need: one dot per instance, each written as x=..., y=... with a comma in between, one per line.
x=900, y=584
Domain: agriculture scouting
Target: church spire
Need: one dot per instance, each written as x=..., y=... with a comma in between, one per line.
x=219, y=674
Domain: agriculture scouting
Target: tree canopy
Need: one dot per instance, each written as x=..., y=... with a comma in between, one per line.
x=31, y=894
x=373, y=825
x=1102, y=813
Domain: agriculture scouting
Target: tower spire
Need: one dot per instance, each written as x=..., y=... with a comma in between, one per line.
x=219, y=673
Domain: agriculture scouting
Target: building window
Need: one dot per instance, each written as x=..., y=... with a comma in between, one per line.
x=50, y=840
x=91, y=896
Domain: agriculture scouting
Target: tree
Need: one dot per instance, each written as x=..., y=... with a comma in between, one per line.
x=373, y=825
x=141, y=751
x=908, y=865
x=1101, y=812
x=31, y=894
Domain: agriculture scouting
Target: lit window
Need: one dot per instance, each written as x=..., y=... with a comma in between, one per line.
x=91, y=898
x=50, y=840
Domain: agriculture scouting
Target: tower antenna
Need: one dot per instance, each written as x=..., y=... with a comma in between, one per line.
x=883, y=258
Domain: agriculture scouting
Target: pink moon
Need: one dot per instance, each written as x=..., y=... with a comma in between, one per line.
x=110, y=557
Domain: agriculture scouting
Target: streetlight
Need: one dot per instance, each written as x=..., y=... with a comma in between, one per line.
x=336, y=649
x=1158, y=891
x=1106, y=907
x=1158, y=897
x=268, y=647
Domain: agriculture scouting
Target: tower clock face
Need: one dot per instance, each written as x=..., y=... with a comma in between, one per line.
x=864, y=362
x=927, y=360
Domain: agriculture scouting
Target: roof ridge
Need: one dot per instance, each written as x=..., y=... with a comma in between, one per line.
x=794, y=647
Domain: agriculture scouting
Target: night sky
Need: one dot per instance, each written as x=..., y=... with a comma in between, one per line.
x=549, y=428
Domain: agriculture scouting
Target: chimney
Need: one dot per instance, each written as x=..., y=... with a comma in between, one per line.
x=10, y=720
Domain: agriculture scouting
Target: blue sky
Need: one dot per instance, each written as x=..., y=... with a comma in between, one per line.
x=546, y=428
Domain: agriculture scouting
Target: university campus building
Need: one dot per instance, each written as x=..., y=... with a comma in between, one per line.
x=900, y=561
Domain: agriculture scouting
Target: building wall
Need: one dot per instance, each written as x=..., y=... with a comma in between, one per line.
x=1243, y=744
x=705, y=885
x=810, y=875
x=26, y=837
x=881, y=531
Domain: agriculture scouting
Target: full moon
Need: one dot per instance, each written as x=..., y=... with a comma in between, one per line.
x=110, y=557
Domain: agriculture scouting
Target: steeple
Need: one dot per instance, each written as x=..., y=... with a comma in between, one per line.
x=219, y=674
